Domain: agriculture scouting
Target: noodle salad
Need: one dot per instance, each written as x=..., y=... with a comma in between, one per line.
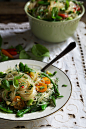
x=26, y=90
x=55, y=10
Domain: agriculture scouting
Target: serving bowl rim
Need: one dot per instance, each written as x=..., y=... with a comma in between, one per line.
x=53, y=22
x=19, y=60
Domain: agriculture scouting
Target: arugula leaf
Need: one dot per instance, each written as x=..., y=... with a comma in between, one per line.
x=40, y=51
x=5, y=84
x=0, y=40
x=23, y=55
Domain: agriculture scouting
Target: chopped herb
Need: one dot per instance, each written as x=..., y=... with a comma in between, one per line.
x=30, y=87
x=26, y=92
x=60, y=96
x=23, y=98
x=51, y=75
x=42, y=87
x=18, y=77
x=17, y=94
x=64, y=85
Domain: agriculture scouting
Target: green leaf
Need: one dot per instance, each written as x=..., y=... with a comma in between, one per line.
x=18, y=77
x=23, y=55
x=29, y=102
x=27, y=69
x=15, y=83
x=64, y=85
x=19, y=48
x=5, y=84
x=40, y=51
x=43, y=106
x=2, y=75
x=52, y=74
x=21, y=66
x=4, y=58
x=0, y=41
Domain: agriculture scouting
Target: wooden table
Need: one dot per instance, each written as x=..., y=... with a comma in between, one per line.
x=14, y=12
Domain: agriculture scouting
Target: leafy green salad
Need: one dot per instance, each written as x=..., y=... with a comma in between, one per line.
x=55, y=10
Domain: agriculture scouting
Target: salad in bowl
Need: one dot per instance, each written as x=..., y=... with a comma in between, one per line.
x=54, y=20
x=55, y=10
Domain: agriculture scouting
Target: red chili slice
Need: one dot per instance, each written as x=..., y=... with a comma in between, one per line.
x=78, y=8
x=63, y=15
x=12, y=51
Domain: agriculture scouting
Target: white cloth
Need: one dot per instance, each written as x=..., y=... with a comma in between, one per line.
x=73, y=114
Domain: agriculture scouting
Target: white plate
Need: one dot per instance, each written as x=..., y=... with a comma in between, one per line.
x=65, y=91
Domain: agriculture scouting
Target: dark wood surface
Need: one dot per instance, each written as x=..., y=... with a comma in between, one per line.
x=14, y=12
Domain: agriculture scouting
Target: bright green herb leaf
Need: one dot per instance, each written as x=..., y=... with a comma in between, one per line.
x=64, y=85
x=42, y=87
x=60, y=96
x=18, y=77
x=52, y=74
x=23, y=55
x=15, y=83
x=5, y=84
x=30, y=102
x=40, y=51
x=2, y=75
x=21, y=66
x=43, y=106
x=27, y=69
